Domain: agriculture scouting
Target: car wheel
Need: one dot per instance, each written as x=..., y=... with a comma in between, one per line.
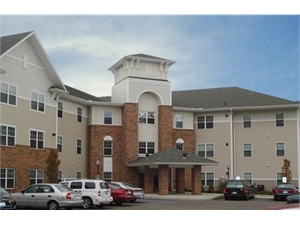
x=53, y=205
x=247, y=197
x=118, y=203
x=226, y=198
x=133, y=200
x=87, y=203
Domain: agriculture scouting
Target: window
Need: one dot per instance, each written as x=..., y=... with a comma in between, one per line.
x=36, y=176
x=146, y=147
x=108, y=116
x=247, y=121
x=8, y=135
x=79, y=114
x=79, y=146
x=37, y=139
x=279, y=119
x=59, y=144
x=180, y=144
x=248, y=176
x=147, y=117
x=107, y=176
x=8, y=94
x=78, y=175
x=37, y=101
x=60, y=109
x=280, y=149
x=178, y=121
x=278, y=178
x=247, y=149
x=205, y=122
x=7, y=178
x=207, y=179
x=206, y=150
x=107, y=147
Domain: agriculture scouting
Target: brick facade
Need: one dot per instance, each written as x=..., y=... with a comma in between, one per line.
x=165, y=127
x=23, y=159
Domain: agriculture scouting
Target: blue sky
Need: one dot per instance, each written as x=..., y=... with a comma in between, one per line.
x=255, y=52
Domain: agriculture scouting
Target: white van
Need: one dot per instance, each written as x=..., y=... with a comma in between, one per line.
x=94, y=192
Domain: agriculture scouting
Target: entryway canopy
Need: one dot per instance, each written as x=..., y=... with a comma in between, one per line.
x=174, y=158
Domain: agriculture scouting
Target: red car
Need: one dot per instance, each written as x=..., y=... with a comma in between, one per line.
x=281, y=191
x=120, y=195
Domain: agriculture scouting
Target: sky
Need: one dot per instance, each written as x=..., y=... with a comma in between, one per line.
x=254, y=52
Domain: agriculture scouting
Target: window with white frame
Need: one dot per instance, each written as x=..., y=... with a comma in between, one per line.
x=247, y=121
x=37, y=101
x=37, y=139
x=280, y=149
x=178, y=121
x=146, y=117
x=7, y=178
x=248, y=176
x=278, y=178
x=8, y=135
x=207, y=179
x=36, y=176
x=180, y=144
x=79, y=114
x=279, y=119
x=60, y=109
x=8, y=94
x=247, y=149
x=205, y=122
x=146, y=147
x=79, y=146
x=108, y=146
x=107, y=176
x=107, y=116
x=205, y=150
x=59, y=144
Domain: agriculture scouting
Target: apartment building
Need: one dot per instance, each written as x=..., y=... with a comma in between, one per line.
x=187, y=139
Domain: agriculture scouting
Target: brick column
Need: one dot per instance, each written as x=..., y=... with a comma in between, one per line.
x=163, y=180
x=196, y=180
x=149, y=180
x=165, y=127
x=180, y=180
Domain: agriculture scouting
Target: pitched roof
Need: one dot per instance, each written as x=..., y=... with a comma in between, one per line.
x=224, y=97
x=7, y=42
x=172, y=157
x=83, y=95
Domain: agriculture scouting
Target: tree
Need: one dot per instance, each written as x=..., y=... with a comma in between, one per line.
x=286, y=170
x=52, y=164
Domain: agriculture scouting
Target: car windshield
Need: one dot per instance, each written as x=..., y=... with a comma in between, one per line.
x=288, y=186
x=127, y=185
x=63, y=188
x=234, y=184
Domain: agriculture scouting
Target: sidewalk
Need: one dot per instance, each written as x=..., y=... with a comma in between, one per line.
x=189, y=196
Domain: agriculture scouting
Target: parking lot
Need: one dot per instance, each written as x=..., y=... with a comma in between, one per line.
x=185, y=204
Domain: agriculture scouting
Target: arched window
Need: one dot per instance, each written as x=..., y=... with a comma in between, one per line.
x=107, y=146
x=180, y=144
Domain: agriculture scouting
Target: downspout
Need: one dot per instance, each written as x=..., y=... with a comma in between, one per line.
x=231, y=144
x=298, y=146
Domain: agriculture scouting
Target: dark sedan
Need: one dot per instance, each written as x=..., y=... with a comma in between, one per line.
x=7, y=201
x=281, y=191
x=293, y=199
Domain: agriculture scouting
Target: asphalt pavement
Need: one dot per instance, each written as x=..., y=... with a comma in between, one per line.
x=189, y=196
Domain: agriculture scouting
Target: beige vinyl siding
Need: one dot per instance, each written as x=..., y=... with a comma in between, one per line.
x=71, y=130
x=97, y=115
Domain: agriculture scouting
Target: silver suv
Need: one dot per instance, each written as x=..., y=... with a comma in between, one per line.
x=94, y=192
